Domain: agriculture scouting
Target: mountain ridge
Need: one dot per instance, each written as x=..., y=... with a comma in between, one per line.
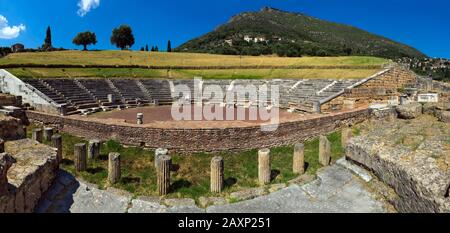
x=274, y=31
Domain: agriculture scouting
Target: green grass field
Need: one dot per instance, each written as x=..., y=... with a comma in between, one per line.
x=187, y=65
x=189, y=74
x=192, y=178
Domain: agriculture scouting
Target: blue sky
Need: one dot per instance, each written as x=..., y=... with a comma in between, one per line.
x=421, y=24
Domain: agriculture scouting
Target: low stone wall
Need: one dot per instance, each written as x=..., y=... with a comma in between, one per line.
x=32, y=173
x=204, y=140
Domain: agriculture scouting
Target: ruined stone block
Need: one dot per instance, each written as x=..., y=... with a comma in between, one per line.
x=409, y=111
x=443, y=116
x=416, y=169
x=29, y=177
x=6, y=161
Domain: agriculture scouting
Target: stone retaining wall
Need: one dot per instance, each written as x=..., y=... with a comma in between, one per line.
x=411, y=156
x=204, y=140
x=379, y=89
x=32, y=173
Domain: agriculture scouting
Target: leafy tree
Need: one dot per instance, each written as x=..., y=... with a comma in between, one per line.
x=156, y=49
x=85, y=39
x=48, y=40
x=5, y=51
x=146, y=47
x=348, y=51
x=152, y=49
x=122, y=37
x=321, y=53
x=291, y=52
x=169, y=46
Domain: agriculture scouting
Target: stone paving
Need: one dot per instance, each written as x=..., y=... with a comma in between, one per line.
x=336, y=190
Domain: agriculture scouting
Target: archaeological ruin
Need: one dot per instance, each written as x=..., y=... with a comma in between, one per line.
x=394, y=126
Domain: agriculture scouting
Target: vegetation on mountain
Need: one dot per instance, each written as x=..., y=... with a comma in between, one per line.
x=272, y=31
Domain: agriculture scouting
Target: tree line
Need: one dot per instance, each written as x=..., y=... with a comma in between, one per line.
x=122, y=37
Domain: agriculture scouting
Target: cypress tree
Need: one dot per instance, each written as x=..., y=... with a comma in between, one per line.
x=169, y=46
x=48, y=40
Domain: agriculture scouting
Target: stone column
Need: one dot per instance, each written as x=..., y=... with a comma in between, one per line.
x=57, y=143
x=2, y=146
x=37, y=135
x=6, y=161
x=299, y=159
x=317, y=107
x=324, y=151
x=111, y=98
x=48, y=133
x=140, y=118
x=347, y=134
x=217, y=178
x=80, y=157
x=163, y=174
x=94, y=149
x=158, y=153
x=264, y=166
x=114, y=168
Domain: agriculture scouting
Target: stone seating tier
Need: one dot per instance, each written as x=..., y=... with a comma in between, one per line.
x=93, y=93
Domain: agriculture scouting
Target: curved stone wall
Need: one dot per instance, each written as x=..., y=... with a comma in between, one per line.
x=204, y=140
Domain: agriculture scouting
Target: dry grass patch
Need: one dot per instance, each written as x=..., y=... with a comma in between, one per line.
x=73, y=57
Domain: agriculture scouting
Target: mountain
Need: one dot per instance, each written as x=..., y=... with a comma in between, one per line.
x=272, y=31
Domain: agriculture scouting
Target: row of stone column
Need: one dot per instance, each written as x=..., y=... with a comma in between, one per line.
x=163, y=163
x=40, y=135
x=47, y=134
x=83, y=152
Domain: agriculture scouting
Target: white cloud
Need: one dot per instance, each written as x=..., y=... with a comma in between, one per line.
x=87, y=5
x=8, y=32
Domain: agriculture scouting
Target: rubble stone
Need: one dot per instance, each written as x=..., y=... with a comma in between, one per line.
x=409, y=111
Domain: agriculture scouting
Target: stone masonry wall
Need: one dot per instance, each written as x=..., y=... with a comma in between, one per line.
x=33, y=171
x=205, y=140
x=379, y=89
x=10, y=128
x=10, y=100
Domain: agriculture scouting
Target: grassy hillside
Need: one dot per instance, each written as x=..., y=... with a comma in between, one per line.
x=189, y=74
x=294, y=34
x=188, y=65
x=127, y=58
